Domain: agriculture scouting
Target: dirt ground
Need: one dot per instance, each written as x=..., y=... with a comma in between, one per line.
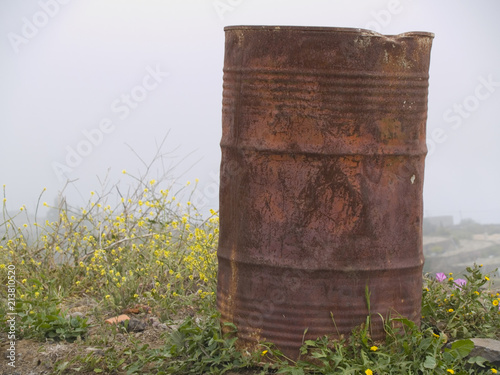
x=44, y=358
x=38, y=358
x=35, y=358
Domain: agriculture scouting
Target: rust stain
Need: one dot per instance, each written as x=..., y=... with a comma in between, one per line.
x=323, y=147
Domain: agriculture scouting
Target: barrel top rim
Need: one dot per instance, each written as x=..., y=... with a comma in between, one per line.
x=351, y=30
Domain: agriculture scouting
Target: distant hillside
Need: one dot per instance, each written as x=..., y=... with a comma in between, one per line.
x=452, y=248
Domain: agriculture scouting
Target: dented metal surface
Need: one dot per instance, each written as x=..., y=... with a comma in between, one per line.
x=322, y=170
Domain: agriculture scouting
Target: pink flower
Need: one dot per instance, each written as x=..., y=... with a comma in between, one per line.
x=440, y=276
x=460, y=282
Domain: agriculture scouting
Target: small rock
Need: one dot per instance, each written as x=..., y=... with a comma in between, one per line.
x=155, y=323
x=136, y=325
x=153, y=320
x=487, y=348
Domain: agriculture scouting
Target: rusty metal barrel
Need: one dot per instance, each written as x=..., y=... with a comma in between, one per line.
x=323, y=148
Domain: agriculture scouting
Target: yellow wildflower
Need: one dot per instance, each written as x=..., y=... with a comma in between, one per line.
x=374, y=348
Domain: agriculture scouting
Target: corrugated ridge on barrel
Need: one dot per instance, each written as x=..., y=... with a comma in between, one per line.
x=325, y=99
x=410, y=89
x=252, y=313
x=323, y=150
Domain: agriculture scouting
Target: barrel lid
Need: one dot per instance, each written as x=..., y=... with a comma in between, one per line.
x=327, y=29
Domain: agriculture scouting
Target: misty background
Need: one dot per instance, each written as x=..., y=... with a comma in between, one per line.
x=83, y=83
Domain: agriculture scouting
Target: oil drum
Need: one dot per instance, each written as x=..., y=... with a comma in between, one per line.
x=323, y=148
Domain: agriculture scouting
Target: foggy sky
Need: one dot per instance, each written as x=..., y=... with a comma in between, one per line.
x=121, y=74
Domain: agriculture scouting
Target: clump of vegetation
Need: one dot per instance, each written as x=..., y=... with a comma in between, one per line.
x=462, y=307
x=152, y=248
x=454, y=310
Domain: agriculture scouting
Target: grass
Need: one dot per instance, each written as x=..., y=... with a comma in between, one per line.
x=147, y=249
